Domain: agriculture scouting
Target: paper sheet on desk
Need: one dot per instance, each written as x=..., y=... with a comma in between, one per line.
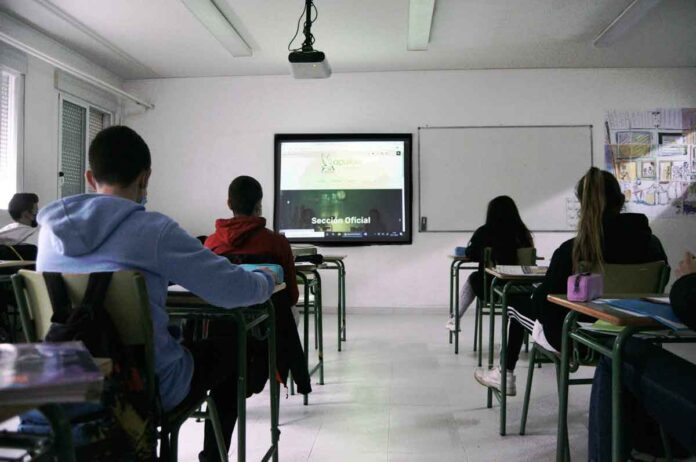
x=525, y=270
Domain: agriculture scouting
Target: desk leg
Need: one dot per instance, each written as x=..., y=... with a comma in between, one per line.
x=306, y=328
x=451, y=296
x=241, y=388
x=62, y=432
x=456, y=307
x=562, y=449
x=486, y=302
x=316, y=315
x=342, y=286
x=616, y=410
x=503, y=359
x=319, y=319
x=274, y=385
x=338, y=307
x=491, y=336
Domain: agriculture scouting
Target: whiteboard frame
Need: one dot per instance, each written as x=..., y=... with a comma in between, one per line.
x=420, y=194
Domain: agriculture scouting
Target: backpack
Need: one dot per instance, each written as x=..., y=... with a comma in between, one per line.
x=130, y=427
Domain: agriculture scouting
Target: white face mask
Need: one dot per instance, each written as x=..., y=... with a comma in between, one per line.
x=143, y=198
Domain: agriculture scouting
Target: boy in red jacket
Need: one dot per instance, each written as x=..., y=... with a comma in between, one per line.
x=246, y=232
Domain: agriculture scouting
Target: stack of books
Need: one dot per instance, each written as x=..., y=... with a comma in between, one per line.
x=36, y=373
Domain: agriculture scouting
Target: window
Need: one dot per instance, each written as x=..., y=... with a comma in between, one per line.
x=80, y=123
x=9, y=120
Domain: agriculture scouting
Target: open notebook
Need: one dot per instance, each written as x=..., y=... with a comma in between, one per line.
x=660, y=312
x=517, y=270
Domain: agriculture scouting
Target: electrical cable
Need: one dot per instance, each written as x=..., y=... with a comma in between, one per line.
x=307, y=26
x=297, y=30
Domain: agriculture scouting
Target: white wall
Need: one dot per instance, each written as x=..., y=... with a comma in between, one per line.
x=40, y=134
x=41, y=112
x=204, y=132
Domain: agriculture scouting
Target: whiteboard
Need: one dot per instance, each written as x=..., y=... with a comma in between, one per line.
x=462, y=168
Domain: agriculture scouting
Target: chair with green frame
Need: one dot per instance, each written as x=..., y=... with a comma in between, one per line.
x=128, y=306
x=525, y=256
x=618, y=278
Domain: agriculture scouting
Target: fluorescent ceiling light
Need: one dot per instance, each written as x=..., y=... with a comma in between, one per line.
x=208, y=13
x=420, y=21
x=628, y=18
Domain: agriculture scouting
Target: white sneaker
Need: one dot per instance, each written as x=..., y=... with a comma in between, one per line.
x=491, y=378
x=450, y=324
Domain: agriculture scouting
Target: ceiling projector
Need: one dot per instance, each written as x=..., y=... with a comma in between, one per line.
x=310, y=64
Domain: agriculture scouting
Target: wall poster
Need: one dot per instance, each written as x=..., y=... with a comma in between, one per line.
x=653, y=155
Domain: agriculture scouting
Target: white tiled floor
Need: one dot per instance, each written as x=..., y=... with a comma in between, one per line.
x=398, y=393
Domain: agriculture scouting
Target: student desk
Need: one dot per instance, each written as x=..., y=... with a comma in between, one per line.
x=335, y=262
x=9, y=267
x=458, y=264
x=572, y=331
x=184, y=304
x=55, y=415
x=16, y=264
x=308, y=275
x=330, y=262
x=503, y=285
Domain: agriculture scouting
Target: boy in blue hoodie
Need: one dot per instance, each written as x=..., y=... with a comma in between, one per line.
x=111, y=231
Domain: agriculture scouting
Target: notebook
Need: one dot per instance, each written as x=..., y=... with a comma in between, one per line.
x=516, y=270
x=660, y=312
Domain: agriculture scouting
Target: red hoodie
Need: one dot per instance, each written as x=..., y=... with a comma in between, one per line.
x=248, y=235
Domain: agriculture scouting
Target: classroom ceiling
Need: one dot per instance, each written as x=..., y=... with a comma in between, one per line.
x=161, y=38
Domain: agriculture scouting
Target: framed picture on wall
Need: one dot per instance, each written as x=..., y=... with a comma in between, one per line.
x=680, y=171
x=632, y=144
x=672, y=144
x=648, y=170
x=665, y=168
x=628, y=171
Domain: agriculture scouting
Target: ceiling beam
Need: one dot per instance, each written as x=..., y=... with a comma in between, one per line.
x=219, y=25
x=628, y=18
x=420, y=21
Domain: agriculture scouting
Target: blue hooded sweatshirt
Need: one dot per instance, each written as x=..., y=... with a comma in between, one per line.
x=94, y=232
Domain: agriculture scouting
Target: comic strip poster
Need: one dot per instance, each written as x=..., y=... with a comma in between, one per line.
x=653, y=155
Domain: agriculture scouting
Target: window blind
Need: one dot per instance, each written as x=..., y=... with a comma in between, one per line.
x=73, y=136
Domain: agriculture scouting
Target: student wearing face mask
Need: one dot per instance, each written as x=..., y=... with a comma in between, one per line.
x=112, y=231
x=23, y=208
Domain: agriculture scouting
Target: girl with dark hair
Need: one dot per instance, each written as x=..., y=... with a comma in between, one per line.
x=605, y=235
x=504, y=232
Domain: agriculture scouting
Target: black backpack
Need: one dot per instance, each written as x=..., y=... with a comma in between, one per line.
x=133, y=427
x=88, y=322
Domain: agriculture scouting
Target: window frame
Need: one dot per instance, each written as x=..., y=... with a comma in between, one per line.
x=62, y=96
x=19, y=96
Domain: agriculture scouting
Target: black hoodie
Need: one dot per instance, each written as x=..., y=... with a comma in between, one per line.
x=683, y=298
x=628, y=239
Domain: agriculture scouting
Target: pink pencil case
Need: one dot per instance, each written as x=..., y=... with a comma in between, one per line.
x=584, y=287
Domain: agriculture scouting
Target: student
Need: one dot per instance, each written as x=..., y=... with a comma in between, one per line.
x=605, y=235
x=504, y=232
x=658, y=388
x=246, y=232
x=111, y=231
x=23, y=208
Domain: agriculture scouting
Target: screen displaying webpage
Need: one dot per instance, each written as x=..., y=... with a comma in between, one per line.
x=342, y=190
